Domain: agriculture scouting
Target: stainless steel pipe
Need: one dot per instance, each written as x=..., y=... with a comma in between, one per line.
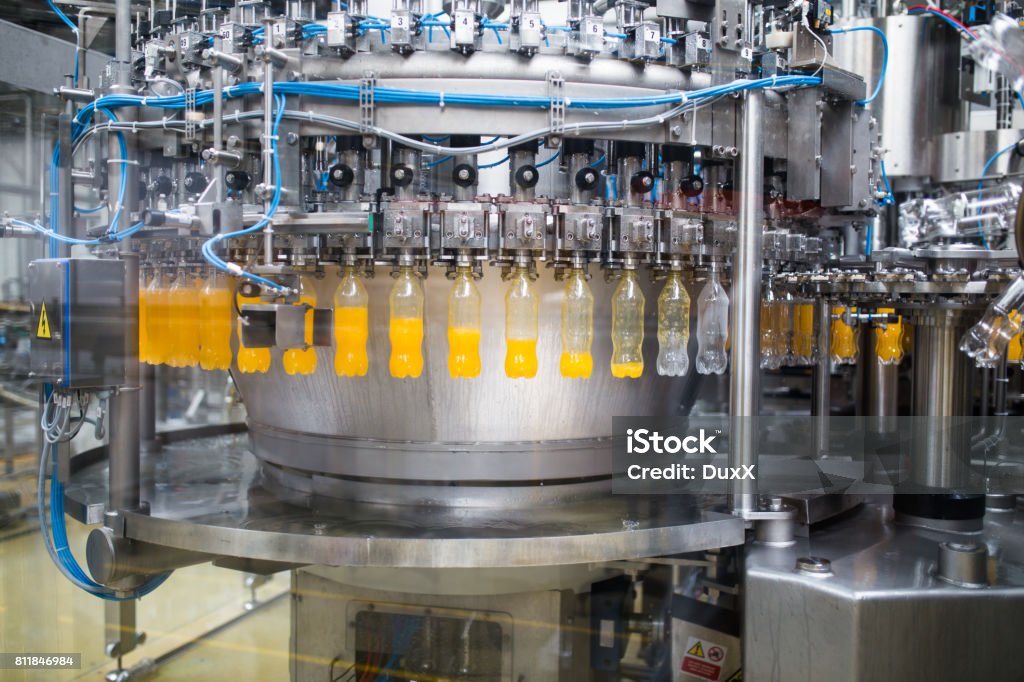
x=744, y=376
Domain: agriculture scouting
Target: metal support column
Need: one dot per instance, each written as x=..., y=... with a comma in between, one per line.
x=823, y=378
x=124, y=405
x=744, y=376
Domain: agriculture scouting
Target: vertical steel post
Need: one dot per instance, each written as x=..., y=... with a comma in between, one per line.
x=744, y=376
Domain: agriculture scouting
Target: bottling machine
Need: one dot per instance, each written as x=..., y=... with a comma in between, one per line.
x=440, y=248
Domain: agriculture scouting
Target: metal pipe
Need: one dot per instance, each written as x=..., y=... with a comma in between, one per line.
x=744, y=377
x=147, y=407
x=124, y=404
x=123, y=38
x=822, y=406
x=218, y=121
x=941, y=392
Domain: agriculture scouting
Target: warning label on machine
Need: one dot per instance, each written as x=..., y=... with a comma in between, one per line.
x=703, y=659
x=43, y=328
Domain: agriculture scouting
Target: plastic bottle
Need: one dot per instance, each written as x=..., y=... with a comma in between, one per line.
x=889, y=339
x=464, y=326
x=712, y=327
x=143, y=318
x=673, y=327
x=767, y=333
x=215, y=323
x=351, y=325
x=803, y=333
x=303, y=360
x=845, y=346
x=987, y=340
x=628, y=328
x=782, y=331
x=576, y=361
x=250, y=360
x=522, y=308
x=157, y=323
x=405, y=303
x=183, y=305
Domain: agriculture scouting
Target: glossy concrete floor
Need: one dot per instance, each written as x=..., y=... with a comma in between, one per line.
x=41, y=612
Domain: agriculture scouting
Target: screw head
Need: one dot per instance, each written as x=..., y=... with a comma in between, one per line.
x=814, y=565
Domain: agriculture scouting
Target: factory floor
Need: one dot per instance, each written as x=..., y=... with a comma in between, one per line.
x=196, y=624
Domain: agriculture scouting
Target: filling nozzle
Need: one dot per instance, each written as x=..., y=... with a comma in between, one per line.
x=987, y=340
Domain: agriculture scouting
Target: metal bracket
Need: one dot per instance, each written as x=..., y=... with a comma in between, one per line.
x=190, y=111
x=556, y=93
x=367, y=114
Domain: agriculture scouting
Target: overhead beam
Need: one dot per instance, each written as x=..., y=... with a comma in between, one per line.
x=36, y=61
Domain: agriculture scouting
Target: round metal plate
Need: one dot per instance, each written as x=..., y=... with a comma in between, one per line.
x=206, y=495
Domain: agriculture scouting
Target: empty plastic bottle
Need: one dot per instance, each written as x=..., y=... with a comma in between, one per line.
x=628, y=328
x=673, y=327
x=405, y=303
x=522, y=308
x=987, y=340
x=577, y=362
x=464, y=326
x=351, y=325
x=712, y=327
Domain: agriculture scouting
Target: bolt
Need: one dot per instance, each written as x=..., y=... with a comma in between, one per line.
x=464, y=174
x=814, y=565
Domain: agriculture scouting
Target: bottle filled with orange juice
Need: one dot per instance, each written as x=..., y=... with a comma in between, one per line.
x=143, y=315
x=157, y=322
x=351, y=324
x=522, y=310
x=215, y=322
x=405, y=306
x=845, y=343
x=464, y=326
x=183, y=314
x=303, y=360
x=250, y=360
x=889, y=339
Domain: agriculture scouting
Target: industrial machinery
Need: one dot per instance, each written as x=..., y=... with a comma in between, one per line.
x=440, y=248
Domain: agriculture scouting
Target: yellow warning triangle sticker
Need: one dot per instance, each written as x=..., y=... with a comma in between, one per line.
x=696, y=650
x=43, y=330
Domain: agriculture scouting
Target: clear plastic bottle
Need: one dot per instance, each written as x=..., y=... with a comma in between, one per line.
x=522, y=309
x=782, y=331
x=215, y=323
x=889, y=339
x=577, y=362
x=464, y=326
x=673, y=327
x=250, y=360
x=803, y=334
x=351, y=325
x=405, y=303
x=303, y=360
x=712, y=327
x=628, y=328
x=845, y=346
x=987, y=340
x=767, y=333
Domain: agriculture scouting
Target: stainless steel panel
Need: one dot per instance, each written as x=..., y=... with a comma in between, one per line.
x=960, y=157
x=803, y=161
x=837, y=166
x=881, y=614
x=921, y=86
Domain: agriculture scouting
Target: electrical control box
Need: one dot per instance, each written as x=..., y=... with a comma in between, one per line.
x=79, y=334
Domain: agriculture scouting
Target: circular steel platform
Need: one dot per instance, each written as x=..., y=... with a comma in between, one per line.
x=207, y=494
